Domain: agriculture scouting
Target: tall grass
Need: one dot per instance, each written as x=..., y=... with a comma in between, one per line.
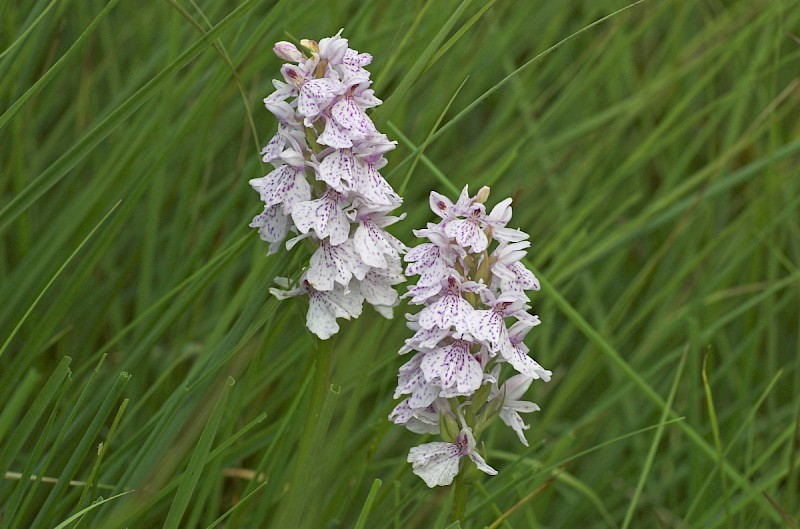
x=149, y=380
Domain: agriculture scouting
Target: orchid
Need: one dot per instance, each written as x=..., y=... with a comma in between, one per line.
x=437, y=463
x=341, y=213
x=472, y=283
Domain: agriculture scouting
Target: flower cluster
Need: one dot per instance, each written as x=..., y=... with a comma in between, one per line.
x=341, y=213
x=471, y=284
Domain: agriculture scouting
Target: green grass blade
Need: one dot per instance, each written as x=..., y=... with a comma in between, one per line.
x=200, y=458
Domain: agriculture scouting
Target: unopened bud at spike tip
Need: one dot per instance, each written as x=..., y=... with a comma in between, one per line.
x=310, y=45
x=483, y=195
x=287, y=51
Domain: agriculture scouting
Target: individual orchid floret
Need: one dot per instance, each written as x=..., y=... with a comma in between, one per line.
x=472, y=287
x=450, y=309
x=411, y=381
x=326, y=189
x=468, y=231
x=287, y=184
x=518, y=356
x=453, y=368
x=325, y=216
x=511, y=394
x=438, y=463
x=324, y=307
x=418, y=420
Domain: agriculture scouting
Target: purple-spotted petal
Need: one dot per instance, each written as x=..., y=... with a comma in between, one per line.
x=450, y=310
x=428, y=262
x=334, y=134
x=316, y=95
x=372, y=244
x=332, y=264
x=285, y=185
x=369, y=183
x=325, y=216
x=467, y=233
x=524, y=364
x=377, y=288
x=436, y=463
x=337, y=167
x=351, y=117
x=272, y=226
x=452, y=366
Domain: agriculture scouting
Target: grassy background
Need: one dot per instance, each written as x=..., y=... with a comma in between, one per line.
x=653, y=158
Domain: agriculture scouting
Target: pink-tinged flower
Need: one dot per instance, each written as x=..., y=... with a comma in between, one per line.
x=371, y=186
x=418, y=420
x=373, y=243
x=444, y=207
x=469, y=291
x=515, y=278
x=355, y=258
x=333, y=49
x=453, y=368
x=424, y=339
x=334, y=264
x=351, y=117
x=352, y=66
x=287, y=134
x=325, y=216
x=500, y=214
x=337, y=169
x=285, y=185
x=421, y=293
x=512, y=392
x=272, y=226
x=276, y=101
x=411, y=381
x=324, y=307
x=509, y=274
x=334, y=135
x=490, y=325
x=451, y=310
x=430, y=261
x=377, y=287
x=287, y=51
x=437, y=463
x=372, y=149
x=317, y=95
x=517, y=353
x=468, y=232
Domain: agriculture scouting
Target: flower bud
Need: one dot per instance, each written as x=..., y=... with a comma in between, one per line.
x=483, y=195
x=310, y=45
x=287, y=51
x=448, y=427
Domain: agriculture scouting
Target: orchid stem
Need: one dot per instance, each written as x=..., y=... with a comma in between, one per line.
x=460, y=495
x=303, y=478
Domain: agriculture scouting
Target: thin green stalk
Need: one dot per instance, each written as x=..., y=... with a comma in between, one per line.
x=303, y=476
x=460, y=495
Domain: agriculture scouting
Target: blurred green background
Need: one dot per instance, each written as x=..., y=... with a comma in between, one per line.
x=653, y=157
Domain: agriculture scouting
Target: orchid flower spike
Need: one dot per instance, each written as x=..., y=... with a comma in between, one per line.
x=472, y=287
x=325, y=188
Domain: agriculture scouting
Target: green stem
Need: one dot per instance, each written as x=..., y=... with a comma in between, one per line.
x=460, y=494
x=303, y=478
